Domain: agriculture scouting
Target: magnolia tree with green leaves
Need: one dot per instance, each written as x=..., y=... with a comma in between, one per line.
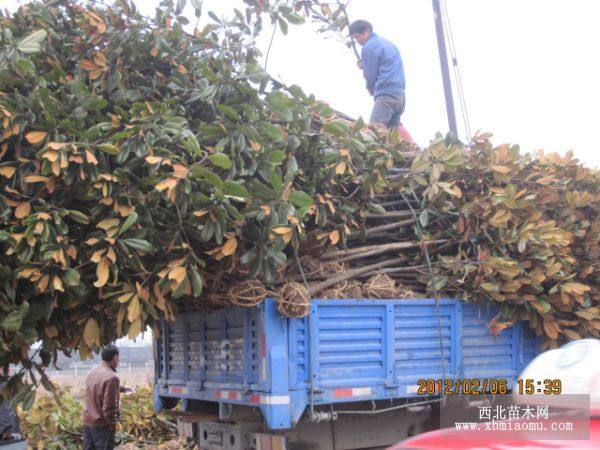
x=144, y=167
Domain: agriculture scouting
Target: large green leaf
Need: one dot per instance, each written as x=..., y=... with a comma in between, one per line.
x=211, y=178
x=26, y=67
x=271, y=131
x=12, y=321
x=32, y=43
x=220, y=160
x=139, y=244
x=301, y=199
x=108, y=148
x=337, y=128
x=278, y=105
x=235, y=189
x=129, y=221
x=71, y=277
x=276, y=157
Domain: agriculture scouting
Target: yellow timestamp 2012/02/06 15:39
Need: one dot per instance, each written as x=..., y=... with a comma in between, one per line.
x=529, y=386
x=476, y=386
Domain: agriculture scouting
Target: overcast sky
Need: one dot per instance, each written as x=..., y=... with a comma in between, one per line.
x=530, y=68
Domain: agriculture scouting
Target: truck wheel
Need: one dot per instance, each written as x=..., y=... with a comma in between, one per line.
x=168, y=402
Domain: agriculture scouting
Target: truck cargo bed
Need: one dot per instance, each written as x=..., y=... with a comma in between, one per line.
x=345, y=351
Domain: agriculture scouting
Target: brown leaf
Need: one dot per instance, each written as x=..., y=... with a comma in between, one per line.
x=169, y=183
x=72, y=252
x=111, y=255
x=50, y=155
x=153, y=159
x=43, y=283
x=89, y=65
x=135, y=329
x=340, y=169
x=97, y=255
x=200, y=213
x=500, y=169
x=287, y=237
x=334, y=237
x=180, y=171
x=91, y=333
x=229, y=247
x=107, y=224
x=23, y=210
x=91, y=159
x=35, y=179
x=551, y=328
x=255, y=145
x=125, y=297
x=102, y=272
x=56, y=168
x=161, y=301
x=35, y=137
x=56, y=145
x=134, y=309
x=177, y=274
x=546, y=180
x=575, y=288
x=572, y=334
x=57, y=284
x=7, y=171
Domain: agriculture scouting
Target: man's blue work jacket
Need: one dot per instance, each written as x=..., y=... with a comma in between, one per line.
x=382, y=67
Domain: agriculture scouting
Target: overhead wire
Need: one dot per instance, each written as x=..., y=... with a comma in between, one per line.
x=457, y=72
x=270, y=45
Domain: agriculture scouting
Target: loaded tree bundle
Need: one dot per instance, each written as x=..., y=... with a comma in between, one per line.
x=143, y=167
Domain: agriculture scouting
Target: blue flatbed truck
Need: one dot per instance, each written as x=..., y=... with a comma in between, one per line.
x=345, y=377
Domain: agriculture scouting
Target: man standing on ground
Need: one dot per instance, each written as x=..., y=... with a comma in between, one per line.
x=384, y=73
x=101, y=411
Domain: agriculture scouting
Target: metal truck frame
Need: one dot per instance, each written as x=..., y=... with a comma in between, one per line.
x=344, y=377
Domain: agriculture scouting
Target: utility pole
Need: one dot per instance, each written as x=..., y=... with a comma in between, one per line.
x=441, y=40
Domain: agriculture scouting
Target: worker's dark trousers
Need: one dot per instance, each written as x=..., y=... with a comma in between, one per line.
x=388, y=109
x=98, y=438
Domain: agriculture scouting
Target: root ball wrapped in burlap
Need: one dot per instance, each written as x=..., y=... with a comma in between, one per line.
x=242, y=270
x=380, y=286
x=353, y=290
x=293, y=300
x=247, y=293
x=348, y=289
x=219, y=299
x=405, y=292
x=336, y=291
x=329, y=268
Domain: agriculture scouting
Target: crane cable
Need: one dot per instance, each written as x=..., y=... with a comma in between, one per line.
x=456, y=68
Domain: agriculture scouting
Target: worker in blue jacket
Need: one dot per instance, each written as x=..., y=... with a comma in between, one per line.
x=384, y=73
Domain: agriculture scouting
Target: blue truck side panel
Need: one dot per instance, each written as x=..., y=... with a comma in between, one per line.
x=345, y=351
